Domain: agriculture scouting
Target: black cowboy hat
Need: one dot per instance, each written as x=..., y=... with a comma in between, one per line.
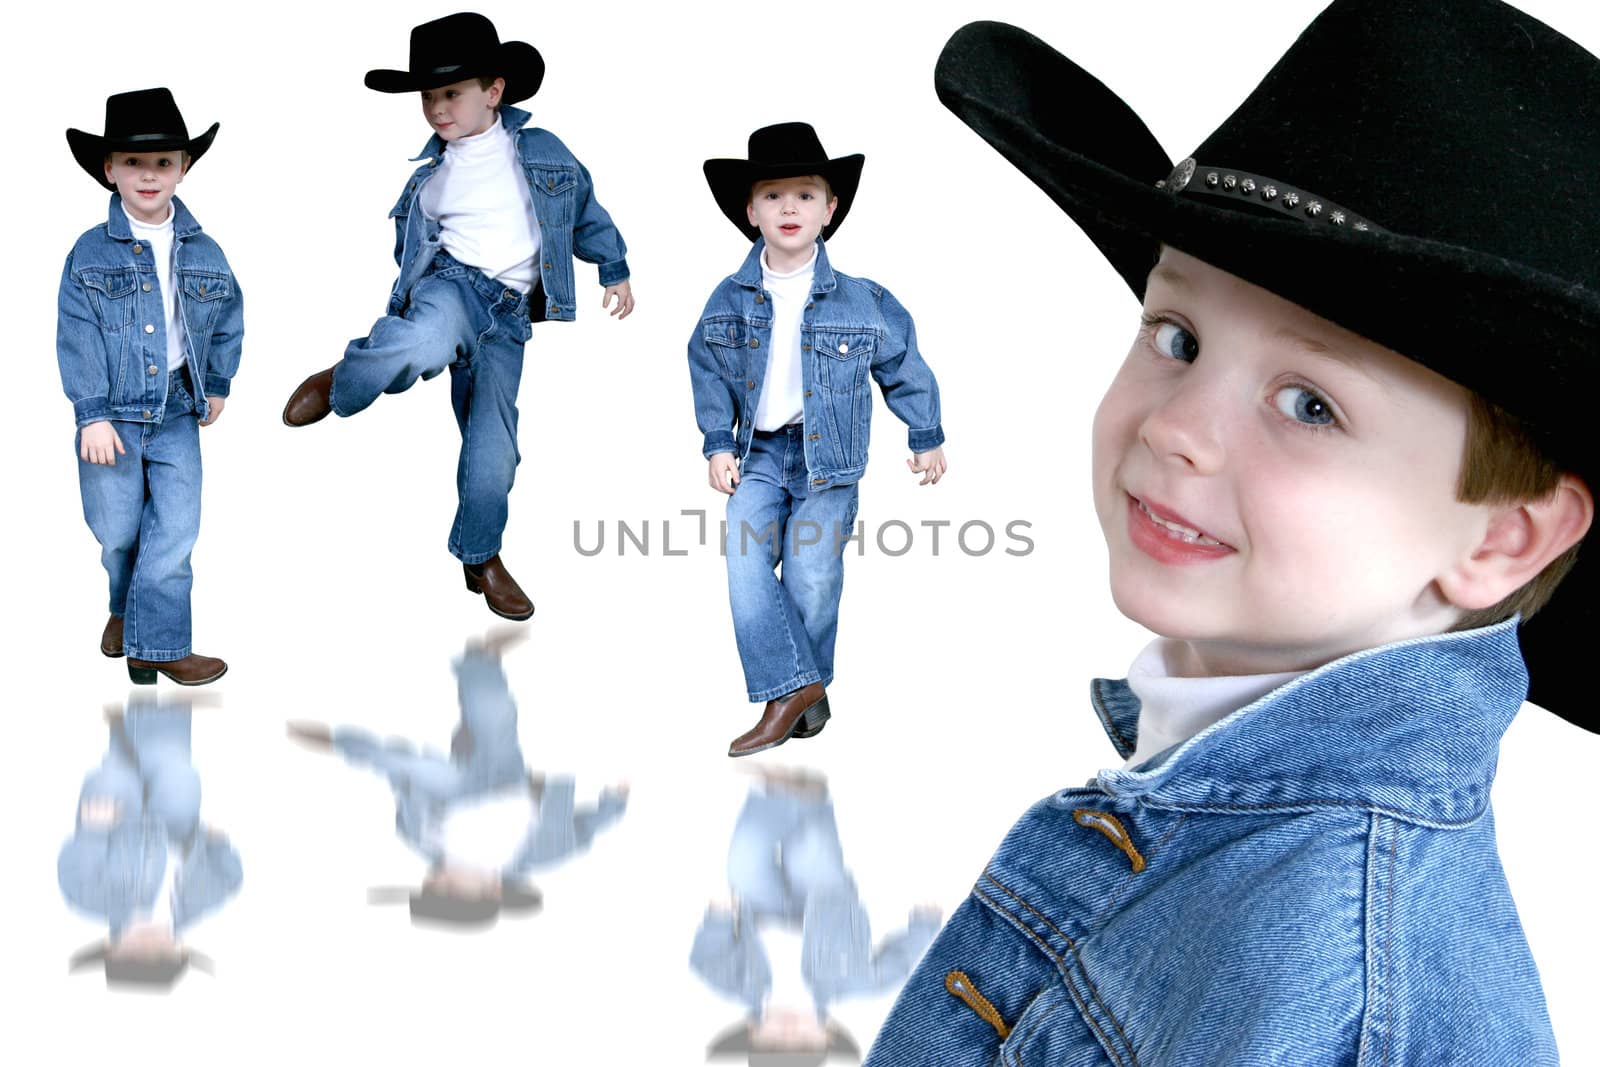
x=145, y=120
x=461, y=46
x=1416, y=172
x=787, y=150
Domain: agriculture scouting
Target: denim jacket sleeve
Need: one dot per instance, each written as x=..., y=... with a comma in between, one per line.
x=594, y=237
x=715, y=408
x=907, y=382
x=81, y=353
x=227, y=342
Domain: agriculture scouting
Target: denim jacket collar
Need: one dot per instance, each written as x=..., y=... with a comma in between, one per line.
x=749, y=273
x=183, y=223
x=512, y=118
x=1411, y=728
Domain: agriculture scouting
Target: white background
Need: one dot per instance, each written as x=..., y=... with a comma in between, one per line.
x=322, y=575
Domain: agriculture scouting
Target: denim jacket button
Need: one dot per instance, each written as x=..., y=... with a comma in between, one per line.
x=547, y=266
x=149, y=328
x=137, y=249
x=759, y=299
x=805, y=348
x=147, y=413
x=151, y=368
x=146, y=287
x=751, y=385
x=844, y=349
x=755, y=342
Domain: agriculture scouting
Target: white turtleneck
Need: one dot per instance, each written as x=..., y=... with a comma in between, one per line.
x=480, y=197
x=782, y=392
x=1173, y=709
x=158, y=240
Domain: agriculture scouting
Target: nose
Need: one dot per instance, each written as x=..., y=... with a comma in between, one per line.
x=1185, y=426
x=791, y=206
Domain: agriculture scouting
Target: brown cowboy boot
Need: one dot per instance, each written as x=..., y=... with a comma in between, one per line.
x=190, y=670
x=500, y=591
x=312, y=401
x=801, y=713
x=111, y=638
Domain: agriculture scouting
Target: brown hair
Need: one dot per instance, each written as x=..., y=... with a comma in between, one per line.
x=1502, y=464
x=827, y=187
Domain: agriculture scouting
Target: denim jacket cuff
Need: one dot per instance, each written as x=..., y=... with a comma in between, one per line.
x=719, y=441
x=614, y=272
x=217, y=385
x=91, y=409
x=926, y=440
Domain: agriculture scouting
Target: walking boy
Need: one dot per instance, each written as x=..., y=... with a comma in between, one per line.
x=485, y=232
x=1346, y=457
x=148, y=336
x=779, y=364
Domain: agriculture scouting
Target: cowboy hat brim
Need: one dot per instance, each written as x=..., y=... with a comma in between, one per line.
x=518, y=62
x=91, y=149
x=731, y=179
x=1097, y=160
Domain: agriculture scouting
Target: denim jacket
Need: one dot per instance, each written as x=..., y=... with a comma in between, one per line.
x=571, y=222
x=1312, y=880
x=111, y=328
x=852, y=327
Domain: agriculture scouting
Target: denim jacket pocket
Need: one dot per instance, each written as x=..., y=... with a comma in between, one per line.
x=554, y=185
x=841, y=363
x=113, y=294
x=203, y=285
x=728, y=337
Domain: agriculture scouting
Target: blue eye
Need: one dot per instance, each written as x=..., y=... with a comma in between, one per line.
x=1302, y=405
x=1175, y=342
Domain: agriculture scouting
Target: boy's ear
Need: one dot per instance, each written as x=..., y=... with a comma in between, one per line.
x=1520, y=541
x=496, y=91
x=750, y=207
x=832, y=206
x=107, y=164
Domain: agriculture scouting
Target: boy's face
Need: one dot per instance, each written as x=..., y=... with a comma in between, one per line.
x=462, y=109
x=1315, y=470
x=146, y=181
x=790, y=213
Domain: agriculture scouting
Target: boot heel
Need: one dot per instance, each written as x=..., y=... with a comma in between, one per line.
x=473, y=585
x=141, y=675
x=814, y=719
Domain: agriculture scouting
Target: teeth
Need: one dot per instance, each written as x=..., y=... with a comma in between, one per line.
x=1178, y=530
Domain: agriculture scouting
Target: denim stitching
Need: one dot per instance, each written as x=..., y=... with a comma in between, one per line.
x=1388, y=943
x=1093, y=991
x=1115, y=896
x=1061, y=966
x=1310, y=806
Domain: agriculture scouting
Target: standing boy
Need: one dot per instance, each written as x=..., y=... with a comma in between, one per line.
x=1345, y=459
x=485, y=232
x=779, y=364
x=148, y=337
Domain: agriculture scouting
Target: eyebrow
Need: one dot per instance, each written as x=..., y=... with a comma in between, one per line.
x=1322, y=350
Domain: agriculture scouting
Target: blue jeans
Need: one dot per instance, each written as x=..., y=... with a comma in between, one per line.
x=785, y=626
x=144, y=510
x=785, y=866
x=457, y=318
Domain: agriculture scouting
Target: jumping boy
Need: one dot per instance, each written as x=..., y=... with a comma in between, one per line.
x=779, y=364
x=148, y=336
x=1347, y=455
x=485, y=232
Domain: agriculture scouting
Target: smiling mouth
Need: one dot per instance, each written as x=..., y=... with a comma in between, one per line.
x=1176, y=530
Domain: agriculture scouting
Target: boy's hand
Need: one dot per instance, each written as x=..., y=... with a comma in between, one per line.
x=98, y=443
x=724, y=472
x=313, y=735
x=624, y=294
x=930, y=464
x=213, y=409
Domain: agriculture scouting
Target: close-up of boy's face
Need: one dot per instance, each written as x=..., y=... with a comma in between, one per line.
x=1274, y=489
x=146, y=181
x=790, y=213
x=461, y=109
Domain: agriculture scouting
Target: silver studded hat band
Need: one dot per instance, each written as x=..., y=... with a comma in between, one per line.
x=1227, y=183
